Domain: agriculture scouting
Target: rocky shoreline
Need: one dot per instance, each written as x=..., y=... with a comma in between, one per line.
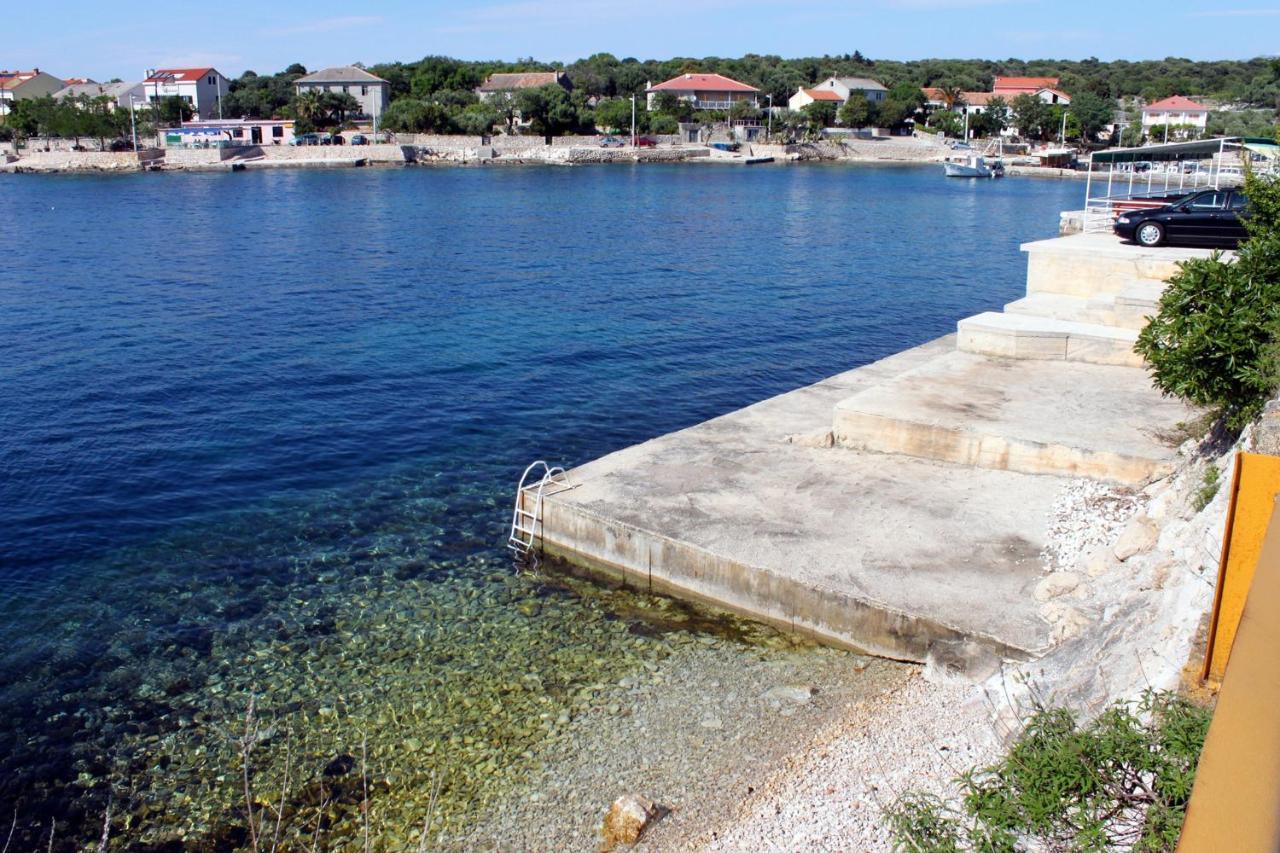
x=461, y=151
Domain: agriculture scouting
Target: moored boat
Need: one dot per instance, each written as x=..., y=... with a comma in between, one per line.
x=973, y=166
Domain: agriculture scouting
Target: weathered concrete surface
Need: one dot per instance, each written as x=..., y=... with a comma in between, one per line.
x=1039, y=417
x=885, y=553
x=1035, y=337
x=1096, y=264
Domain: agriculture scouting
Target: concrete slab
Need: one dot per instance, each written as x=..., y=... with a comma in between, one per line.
x=1093, y=264
x=1038, y=417
x=1035, y=337
x=888, y=554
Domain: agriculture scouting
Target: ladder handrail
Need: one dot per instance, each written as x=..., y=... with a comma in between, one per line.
x=522, y=536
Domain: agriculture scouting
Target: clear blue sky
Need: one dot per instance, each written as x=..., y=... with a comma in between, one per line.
x=104, y=40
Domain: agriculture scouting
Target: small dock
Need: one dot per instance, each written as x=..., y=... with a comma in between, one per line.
x=899, y=508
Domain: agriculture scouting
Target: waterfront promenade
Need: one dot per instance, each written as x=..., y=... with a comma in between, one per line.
x=900, y=508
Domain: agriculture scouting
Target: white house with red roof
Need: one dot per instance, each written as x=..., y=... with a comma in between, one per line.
x=803, y=97
x=1044, y=88
x=1177, y=110
x=838, y=90
x=201, y=88
x=707, y=91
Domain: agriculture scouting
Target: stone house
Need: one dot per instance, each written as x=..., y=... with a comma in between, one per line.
x=370, y=91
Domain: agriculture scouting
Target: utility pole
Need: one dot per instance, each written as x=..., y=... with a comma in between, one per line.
x=633, y=119
x=219, y=82
x=133, y=120
x=1063, y=135
x=768, y=133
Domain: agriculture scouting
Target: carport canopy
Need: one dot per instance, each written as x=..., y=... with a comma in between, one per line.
x=1201, y=149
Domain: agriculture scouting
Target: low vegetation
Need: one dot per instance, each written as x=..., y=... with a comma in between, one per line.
x=1215, y=340
x=1120, y=781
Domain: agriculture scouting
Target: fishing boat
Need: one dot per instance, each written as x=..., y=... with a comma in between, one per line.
x=973, y=166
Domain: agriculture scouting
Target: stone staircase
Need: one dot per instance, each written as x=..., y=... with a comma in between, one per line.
x=1051, y=385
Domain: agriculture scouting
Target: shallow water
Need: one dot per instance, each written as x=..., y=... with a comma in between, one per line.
x=258, y=433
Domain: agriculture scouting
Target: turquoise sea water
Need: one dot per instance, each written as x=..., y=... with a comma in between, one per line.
x=259, y=432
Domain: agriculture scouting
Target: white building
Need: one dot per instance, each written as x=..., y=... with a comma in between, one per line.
x=803, y=97
x=846, y=87
x=370, y=91
x=201, y=88
x=1174, y=111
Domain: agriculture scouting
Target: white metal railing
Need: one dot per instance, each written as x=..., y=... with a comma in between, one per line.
x=526, y=521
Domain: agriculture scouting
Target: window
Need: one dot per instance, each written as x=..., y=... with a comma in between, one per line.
x=210, y=79
x=1209, y=201
x=238, y=133
x=277, y=132
x=1238, y=201
x=344, y=88
x=364, y=90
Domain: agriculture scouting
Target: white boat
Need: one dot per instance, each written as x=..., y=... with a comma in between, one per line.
x=973, y=166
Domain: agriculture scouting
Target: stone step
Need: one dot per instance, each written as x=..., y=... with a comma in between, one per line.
x=1034, y=417
x=1097, y=310
x=1035, y=337
x=1088, y=265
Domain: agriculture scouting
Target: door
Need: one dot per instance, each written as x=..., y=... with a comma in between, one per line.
x=1200, y=218
x=255, y=135
x=1233, y=225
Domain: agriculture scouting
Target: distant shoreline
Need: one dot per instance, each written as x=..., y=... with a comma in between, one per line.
x=456, y=152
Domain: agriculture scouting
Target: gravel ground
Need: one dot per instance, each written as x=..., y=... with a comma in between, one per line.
x=829, y=796
x=699, y=736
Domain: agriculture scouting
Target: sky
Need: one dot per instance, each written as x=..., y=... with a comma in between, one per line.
x=101, y=41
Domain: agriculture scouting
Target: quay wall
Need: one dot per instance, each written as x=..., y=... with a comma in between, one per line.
x=76, y=161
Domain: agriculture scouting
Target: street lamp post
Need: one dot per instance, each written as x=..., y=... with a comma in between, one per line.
x=768, y=133
x=633, y=120
x=133, y=120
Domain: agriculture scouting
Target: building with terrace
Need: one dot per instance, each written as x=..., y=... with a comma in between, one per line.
x=201, y=89
x=707, y=91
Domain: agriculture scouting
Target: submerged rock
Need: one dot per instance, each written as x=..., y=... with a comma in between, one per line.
x=627, y=819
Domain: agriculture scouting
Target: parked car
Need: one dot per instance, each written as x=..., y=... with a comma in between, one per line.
x=311, y=139
x=359, y=139
x=1207, y=218
x=646, y=142
x=611, y=142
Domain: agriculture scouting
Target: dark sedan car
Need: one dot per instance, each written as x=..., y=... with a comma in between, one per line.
x=1208, y=218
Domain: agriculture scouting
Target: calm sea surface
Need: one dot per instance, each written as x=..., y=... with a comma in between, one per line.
x=259, y=431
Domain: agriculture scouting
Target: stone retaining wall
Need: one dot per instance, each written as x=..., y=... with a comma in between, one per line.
x=372, y=153
x=77, y=161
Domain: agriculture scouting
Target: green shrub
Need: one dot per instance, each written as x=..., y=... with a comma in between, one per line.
x=1122, y=780
x=1208, y=487
x=1213, y=341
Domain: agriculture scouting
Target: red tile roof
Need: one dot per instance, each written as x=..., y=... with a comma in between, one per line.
x=702, y=83
x=1177, y=102
x=1024, y=84
x=979, y=99
x=823, y=95
x=177, y=75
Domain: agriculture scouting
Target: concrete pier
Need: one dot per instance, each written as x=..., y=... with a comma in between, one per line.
x=899, y=508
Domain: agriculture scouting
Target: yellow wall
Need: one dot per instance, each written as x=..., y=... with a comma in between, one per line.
x=1235, y=804
x=1254, y=487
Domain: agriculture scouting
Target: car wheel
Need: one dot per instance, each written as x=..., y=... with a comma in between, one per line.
x=1150, y=233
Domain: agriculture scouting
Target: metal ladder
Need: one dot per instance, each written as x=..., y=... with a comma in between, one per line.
x=525, y=522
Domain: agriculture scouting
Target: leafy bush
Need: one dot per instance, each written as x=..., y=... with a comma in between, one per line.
x=1214, y=340
x=1122, y=780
